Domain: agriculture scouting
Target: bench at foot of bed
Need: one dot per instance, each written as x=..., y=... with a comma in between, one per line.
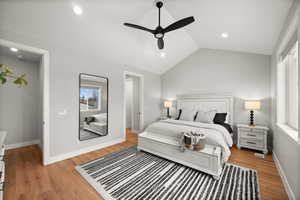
x=207, y=160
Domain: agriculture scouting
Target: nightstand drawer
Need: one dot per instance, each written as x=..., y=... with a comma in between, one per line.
x=251, y=130
x=253, y=135
x=252, y=143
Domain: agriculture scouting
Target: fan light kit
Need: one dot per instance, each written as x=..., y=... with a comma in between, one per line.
x=160, y=32
x=14, y=49
x=224, y=35
x=77, y=10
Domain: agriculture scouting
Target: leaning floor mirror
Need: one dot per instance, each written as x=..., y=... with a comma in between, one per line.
x=93, y=106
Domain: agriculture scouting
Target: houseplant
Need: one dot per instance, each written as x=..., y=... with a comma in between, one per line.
x=6, y=74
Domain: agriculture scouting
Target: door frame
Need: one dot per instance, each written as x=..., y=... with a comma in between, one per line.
x=141, y=99
x=46, y=92
x=131, y=105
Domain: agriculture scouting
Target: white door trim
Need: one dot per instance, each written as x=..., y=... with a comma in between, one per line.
x=131, y=105
x=46, y=97
x=141, y=97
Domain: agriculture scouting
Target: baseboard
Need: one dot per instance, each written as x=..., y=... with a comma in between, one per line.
x=286, y=184
x=21, y=144
x=65, y=156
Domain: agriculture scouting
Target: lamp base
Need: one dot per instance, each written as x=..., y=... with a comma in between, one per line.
x=168, y=113
x=251, y=118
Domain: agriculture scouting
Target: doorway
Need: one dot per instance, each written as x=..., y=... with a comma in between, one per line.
x=17, y=54
x=133, y=102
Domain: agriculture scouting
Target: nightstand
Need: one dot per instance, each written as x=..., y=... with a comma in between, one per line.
x=253, y=137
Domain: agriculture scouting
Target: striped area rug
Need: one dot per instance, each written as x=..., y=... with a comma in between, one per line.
x=133, y=175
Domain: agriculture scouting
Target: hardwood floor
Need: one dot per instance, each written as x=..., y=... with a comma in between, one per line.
x=28, y=179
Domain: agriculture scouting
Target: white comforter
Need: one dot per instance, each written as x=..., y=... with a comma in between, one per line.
x=215, y=134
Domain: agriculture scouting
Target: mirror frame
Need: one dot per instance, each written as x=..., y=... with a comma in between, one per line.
x=104, y=77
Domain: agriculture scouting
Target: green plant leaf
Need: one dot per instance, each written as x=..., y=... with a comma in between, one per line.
x=21, y=80
x=2, y=80
x=6, y=72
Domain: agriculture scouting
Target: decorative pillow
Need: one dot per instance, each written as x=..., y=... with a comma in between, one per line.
x=187, y=115
x=220, y=118
x=206, y=116
x=88, y=120
x=178, y=114
x=227, y=118
x=102, y=118
x=195, y=117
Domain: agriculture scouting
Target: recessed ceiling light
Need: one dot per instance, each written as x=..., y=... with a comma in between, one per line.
x=14, y=49
x=162, y=54
x=77, y=10
x=224, y=35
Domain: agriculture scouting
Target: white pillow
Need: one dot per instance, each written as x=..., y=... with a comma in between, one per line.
x=206, y=116
x=101, y=118
x=227, y=118
x=187, y=115
x=175, y=114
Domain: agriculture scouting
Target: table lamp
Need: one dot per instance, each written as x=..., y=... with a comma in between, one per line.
x=252, y=106
x=168, y=105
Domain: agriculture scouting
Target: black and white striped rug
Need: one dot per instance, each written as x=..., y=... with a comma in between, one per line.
x=131, y=175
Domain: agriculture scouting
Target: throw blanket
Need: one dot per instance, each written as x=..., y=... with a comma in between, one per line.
x=215, y=134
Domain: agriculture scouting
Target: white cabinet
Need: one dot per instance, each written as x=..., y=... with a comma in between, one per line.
x=2, y=163
x=253, y=137
x=2, y=172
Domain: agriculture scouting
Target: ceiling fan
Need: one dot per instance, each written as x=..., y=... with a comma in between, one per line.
x=160, y=32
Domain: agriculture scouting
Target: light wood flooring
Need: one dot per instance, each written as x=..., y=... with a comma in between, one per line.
x=28, y=179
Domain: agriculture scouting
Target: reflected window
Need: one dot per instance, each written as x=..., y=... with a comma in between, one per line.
x=90, y=98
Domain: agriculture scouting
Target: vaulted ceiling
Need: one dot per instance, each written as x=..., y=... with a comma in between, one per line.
x=253, y=26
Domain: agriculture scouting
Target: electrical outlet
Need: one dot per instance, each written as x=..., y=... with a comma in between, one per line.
x=259, y=155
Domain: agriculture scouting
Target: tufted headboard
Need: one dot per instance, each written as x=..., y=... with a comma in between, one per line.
x=205, y=102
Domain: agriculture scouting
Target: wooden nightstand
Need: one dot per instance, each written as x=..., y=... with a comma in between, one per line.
x=253, y=137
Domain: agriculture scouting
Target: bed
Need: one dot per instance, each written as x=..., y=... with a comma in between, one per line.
x=163, y=138
x=98, y=125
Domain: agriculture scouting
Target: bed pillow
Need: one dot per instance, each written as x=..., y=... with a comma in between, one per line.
x=220, y=118
x=178, y=114
x=206, y=116
x=102, y=118
x=187, y=115
x=88, y=120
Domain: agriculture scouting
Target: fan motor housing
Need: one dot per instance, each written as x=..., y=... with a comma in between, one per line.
x=159, y=4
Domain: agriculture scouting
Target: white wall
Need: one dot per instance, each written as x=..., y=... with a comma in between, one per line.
x=286, y=148
x=69, y=56
x=244, y=75
x=19, y=107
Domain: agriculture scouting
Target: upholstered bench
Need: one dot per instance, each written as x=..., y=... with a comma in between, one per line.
x=207, y=160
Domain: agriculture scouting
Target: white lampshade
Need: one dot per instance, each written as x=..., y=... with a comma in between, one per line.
x=168, y=104
x=252, y=105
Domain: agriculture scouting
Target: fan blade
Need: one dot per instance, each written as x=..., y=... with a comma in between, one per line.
x=179, y=24
x=160, y=43
x=139, y=27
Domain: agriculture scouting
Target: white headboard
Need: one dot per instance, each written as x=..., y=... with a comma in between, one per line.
x=205, y=102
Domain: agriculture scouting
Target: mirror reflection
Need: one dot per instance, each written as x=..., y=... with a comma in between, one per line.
x=93, y=101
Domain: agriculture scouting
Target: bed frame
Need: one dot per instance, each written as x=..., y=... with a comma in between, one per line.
x=207, y=160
